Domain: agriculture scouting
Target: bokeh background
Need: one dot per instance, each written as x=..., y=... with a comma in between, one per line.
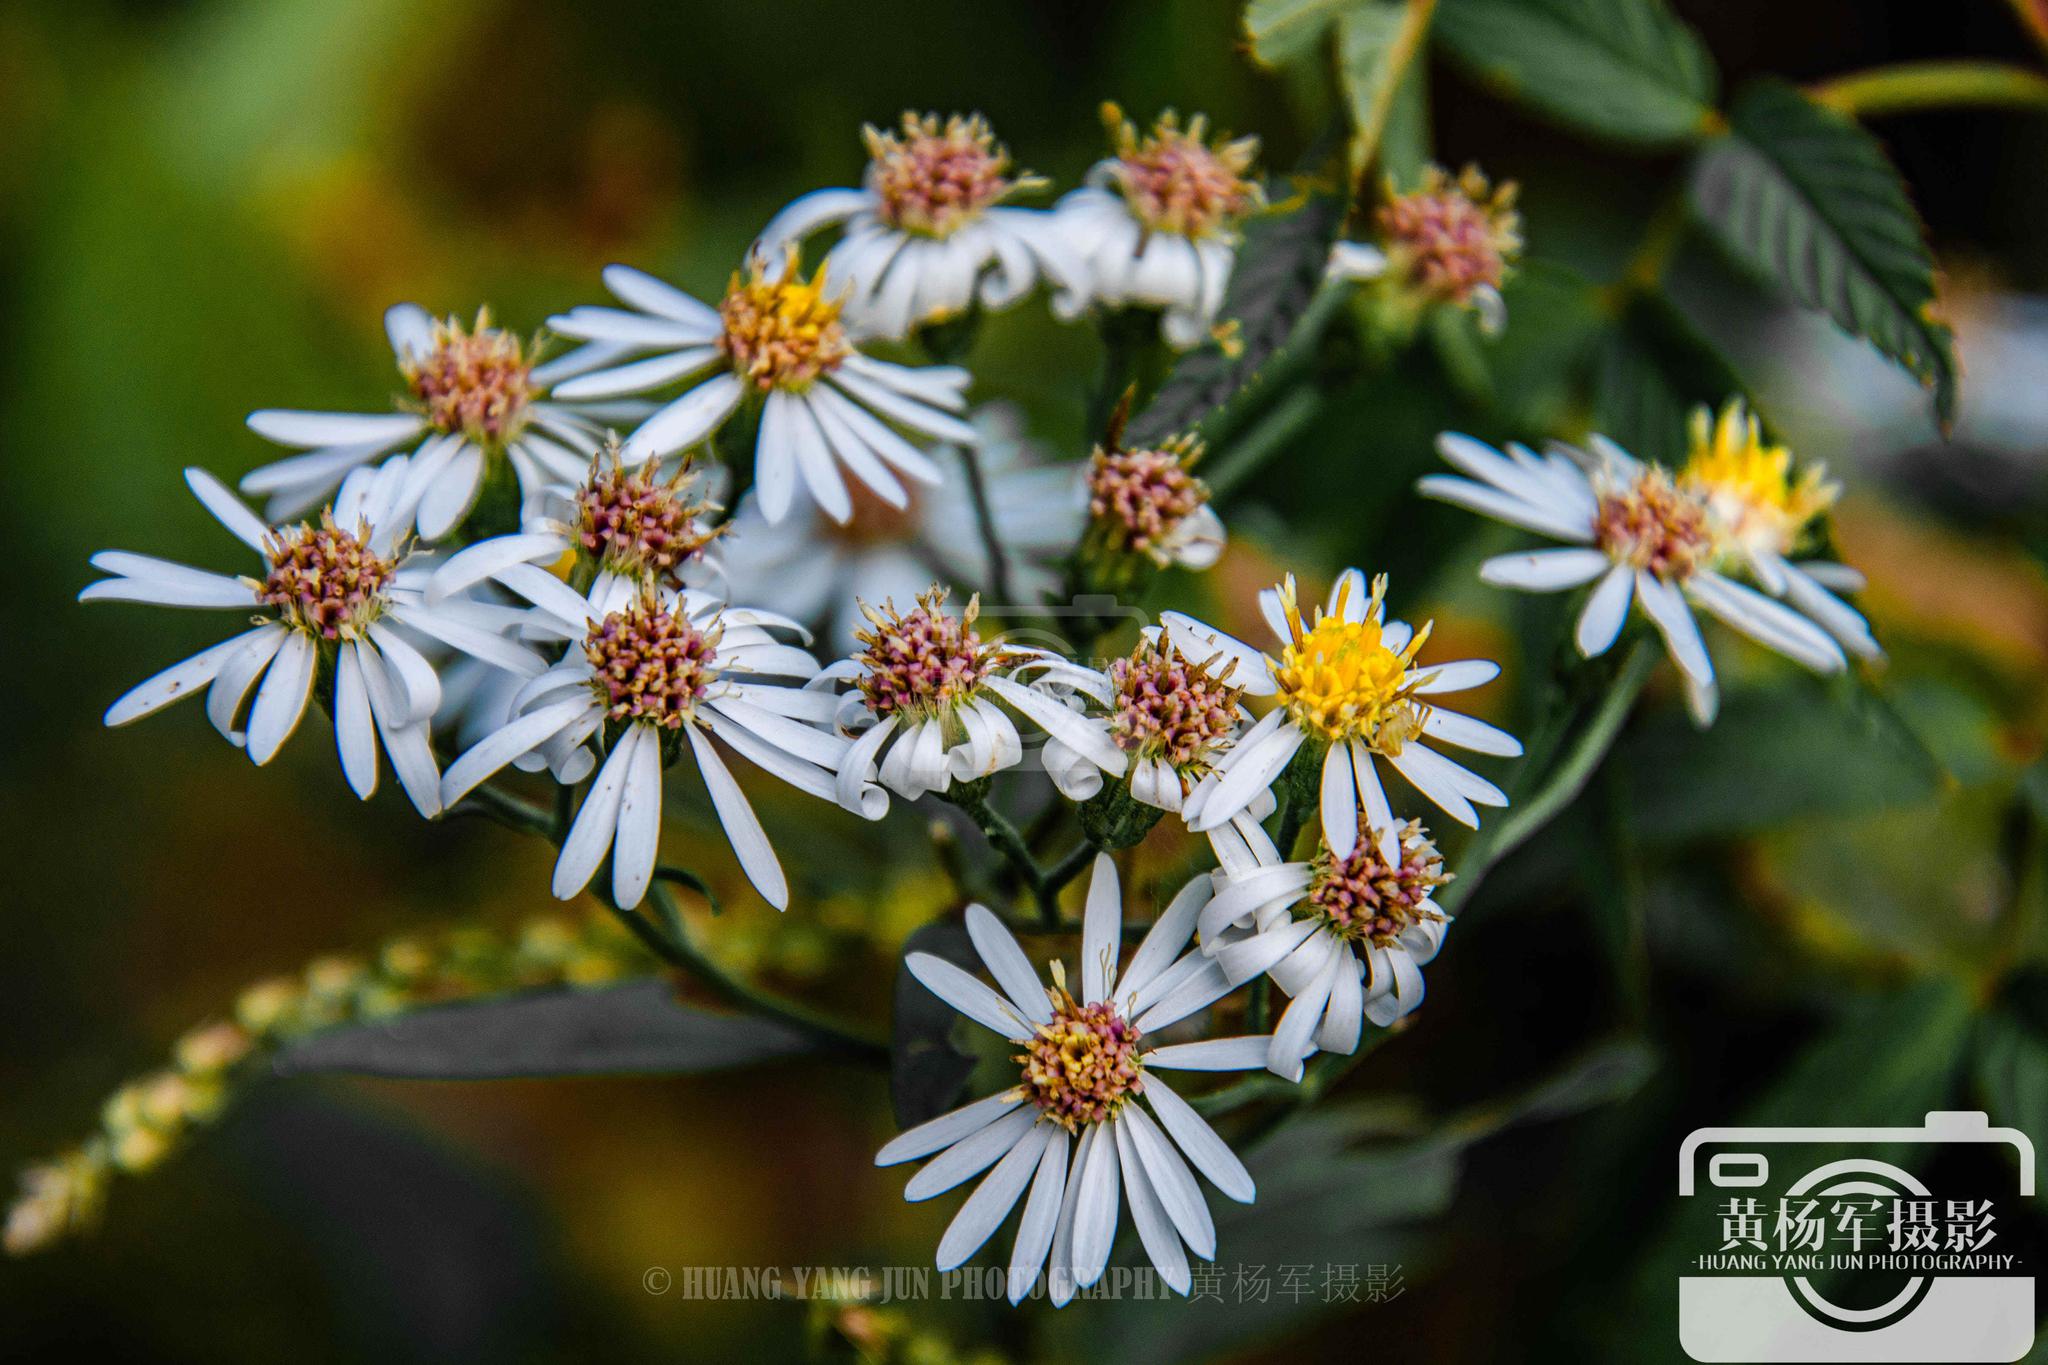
x=205, y=208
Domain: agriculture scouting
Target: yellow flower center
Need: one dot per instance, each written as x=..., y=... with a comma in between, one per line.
x=781, y=331
x=1339, y=680
x=1753, y=490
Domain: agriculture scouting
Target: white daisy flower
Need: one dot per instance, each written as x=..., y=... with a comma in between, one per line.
x=1348, y=681
x=1072, y=1131
x=634, y=525
x=775, y=339
x=813, y=569
x=335, y=599
x=1157, y=223
x=923, y=704
x=1170, y=719
x=476, y=396
x=1640, y=534
x=1346, y=937
x=644, y=664
x=930, y=233
x=1147, y=502
x=1762, y=508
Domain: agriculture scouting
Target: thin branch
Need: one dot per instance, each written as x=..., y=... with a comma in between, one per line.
x=985, y=520
x=1909, y=87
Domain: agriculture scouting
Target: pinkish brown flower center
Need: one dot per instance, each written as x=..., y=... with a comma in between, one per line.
x=324, y=580
x=1654, y=524
x=1083, y=1067
x=1365, y=900
x=923, y=661
x=1174, y=181
x=634, y=524
x=1168, y=708
x=932, y=179
x=651, y=664
x=476, y=382
x=1142, y=496
x=1451, y=238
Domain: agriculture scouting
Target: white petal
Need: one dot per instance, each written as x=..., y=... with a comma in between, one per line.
x=968, y=995
x=1544, y=570
x=1096, y=1210
x=1240, y=666
x=638, y=376
x=307, y=430
x=1601, y=620
x=1101, y=930
x=1666, y=607
x=281, y=700
x=508, y=742
x=643, y=290
x=1171, y=1180
x=685, y=421
x=742, y=827
x=971, y=1155
x=1041, y=1214
x=1469, y=733
x=179, y=680
x=1461, y=675
x=639, y=832
x=1212, y=1054
x=1339, y=802
x=596, y=824
x=228, y=509
x=1165, y=939
x=1207, y=1152
x=993, y=1199
x=1155, y=1230
x=947, y=1129
x=1007, y=963
x=355, y=732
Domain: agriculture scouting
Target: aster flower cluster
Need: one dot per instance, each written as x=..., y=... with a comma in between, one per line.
x=529, y=567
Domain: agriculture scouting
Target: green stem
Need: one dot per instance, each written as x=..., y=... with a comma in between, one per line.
x=509, y=811
x=1911, y=86
x=1244, y=457
x=985, y=520
x=1562, y=783
x=1004, y=839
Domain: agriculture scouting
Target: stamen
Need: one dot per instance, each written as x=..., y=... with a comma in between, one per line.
x=1082, y=1068
x=477, y=382
x=1169, y=708
x=1364, y=900
x=652, y=665
x=781, y=332
x=1141, y=496
x=1451, y=238
x=933, y=180
x=1753, y=489
x=1174, y=181
x=633, y=524
x=1654, y=525
x=924, y=661
x=325, y=580
x=1339, y=680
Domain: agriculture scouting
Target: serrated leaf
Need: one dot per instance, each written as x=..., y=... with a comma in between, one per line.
x=1279, y=268
x=1398, y=140
x=1811, y=202
x=635, y=1028
x=926, y=1069
x=1623, y=69
x=1650, y=371
x=1285, y=31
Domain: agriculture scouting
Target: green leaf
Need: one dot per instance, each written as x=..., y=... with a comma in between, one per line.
x=1775, y=754
x=2009, y=1067
x=926, y=1069
x=1623, y=69
x=635, y=1028
x=1279, y=269
x=1649, y=373
x=1366, y=34
x=1810, y=201
x=1286, y=31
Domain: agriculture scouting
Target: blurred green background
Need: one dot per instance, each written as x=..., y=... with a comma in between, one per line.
x=205, y=208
